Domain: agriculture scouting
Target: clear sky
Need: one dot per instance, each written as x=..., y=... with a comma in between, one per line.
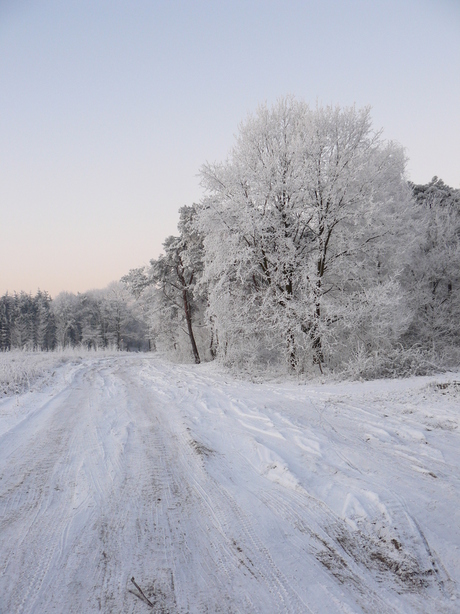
x=108, y=108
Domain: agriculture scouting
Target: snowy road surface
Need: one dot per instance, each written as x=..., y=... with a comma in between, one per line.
x=223, y=496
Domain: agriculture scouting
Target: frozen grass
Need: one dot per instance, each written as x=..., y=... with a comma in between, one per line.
x=19, y=369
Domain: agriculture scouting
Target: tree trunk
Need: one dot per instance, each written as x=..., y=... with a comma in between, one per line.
x=214, y=342
x=317, y=347
x=292, y=350
x=188, y=317
x=292, y=353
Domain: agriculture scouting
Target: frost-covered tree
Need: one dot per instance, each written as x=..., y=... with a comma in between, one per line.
x=45, y=329
x=176, y=303
x=121, y=324
x=6, y=309
x=65, y=309
x=433, y=276
x=27, y=322
x=307, y=209
x=99, y=319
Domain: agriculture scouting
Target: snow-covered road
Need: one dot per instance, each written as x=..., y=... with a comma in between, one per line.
x=224, y=496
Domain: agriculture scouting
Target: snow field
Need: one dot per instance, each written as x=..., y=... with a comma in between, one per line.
x=223, y=496
x=20, y=369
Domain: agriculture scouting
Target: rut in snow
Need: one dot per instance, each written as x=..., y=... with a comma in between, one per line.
x=225, y=496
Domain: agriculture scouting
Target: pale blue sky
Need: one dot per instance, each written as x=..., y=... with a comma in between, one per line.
x=108, y=109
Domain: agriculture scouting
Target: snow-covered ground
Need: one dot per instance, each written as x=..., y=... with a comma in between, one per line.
x=224, y=496
x=20, y=369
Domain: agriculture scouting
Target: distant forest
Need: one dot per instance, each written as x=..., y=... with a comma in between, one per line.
x=96, y=319
x=309, y=252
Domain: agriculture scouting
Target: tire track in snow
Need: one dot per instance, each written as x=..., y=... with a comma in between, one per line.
x=198, y=489
x=218, y=402
x=231, y=528
x=38, y=529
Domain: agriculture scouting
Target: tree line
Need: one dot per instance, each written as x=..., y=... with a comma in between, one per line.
x=95, y=319
x=310, y=249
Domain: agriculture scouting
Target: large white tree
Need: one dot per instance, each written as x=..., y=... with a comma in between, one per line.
x=310, y=206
